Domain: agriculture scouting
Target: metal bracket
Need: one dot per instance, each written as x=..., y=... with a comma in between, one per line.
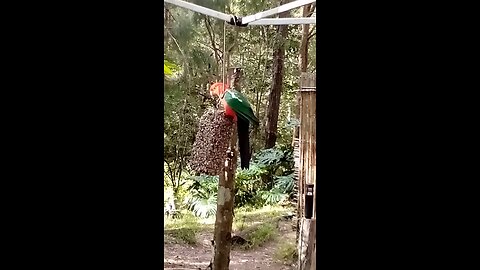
x=237, y=21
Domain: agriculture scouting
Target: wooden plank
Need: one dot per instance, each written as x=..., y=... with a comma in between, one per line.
x=307, y=166
x=303, y=241
x=307, y=135
x=311, y=244
x=314, y=259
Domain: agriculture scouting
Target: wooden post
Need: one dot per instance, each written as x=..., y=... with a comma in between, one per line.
x=226, y=196
x=307, y=166
x=309, y=254
x=314, y=257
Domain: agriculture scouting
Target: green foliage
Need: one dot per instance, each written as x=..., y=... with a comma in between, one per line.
x=270, y=156
x=168, y=67
x=248, y=216
x=277, y=161
x=286, y=253
x=167, y=70
x=285, y=183
x=273, y=196
x=268, y=181
x=261, y=234
x=247, y=184
x=202, y=196
x=203, y=207
x=280, y=157
x=184, y=228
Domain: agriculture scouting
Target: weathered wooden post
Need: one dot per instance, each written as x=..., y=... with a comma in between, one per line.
x=226, y=194
x=307, y=168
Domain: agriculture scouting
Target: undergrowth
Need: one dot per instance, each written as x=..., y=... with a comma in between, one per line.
x=268, y=182
x=184, y=228
x=247, y=216
x=262, y=234
x=286, y=253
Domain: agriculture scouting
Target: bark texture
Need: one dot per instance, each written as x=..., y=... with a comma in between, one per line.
x=226, y=197
x=277, y=82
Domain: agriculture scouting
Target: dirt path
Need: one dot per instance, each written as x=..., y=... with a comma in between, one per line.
x=178, y=255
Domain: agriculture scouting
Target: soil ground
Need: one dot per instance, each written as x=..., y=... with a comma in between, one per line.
x=179, y=255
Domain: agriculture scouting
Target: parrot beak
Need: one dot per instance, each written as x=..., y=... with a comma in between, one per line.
x=217, y=89
x=214, y=90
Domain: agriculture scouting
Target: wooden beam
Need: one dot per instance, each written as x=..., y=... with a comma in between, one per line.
x=307, y=167
x=311, y=245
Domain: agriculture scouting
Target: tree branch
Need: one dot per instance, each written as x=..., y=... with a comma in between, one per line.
x=178, y=46
x=207, y=46
x=211, y=34
x=170, y=172
x=170, y=13
x=311, y=30
x=312, y=9
x=312, y=33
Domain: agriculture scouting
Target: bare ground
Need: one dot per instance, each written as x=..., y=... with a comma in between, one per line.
x=182, y=256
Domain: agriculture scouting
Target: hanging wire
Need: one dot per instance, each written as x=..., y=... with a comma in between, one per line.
x=223, y=62
x=224, y=52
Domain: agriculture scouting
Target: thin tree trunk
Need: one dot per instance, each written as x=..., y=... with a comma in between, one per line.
x=276, y=90
x=211, y=34
x=166, y=24
x=226, y=198
x=226, y=186
x=303, y=59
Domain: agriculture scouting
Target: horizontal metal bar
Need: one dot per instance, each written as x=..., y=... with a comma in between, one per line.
x=307, y=89
x=274, y=11
x=280, y=21
x=200, y=9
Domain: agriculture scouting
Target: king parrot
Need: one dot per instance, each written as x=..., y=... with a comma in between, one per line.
x=236, y=106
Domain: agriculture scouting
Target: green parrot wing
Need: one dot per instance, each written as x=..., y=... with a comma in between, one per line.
x=239, y=103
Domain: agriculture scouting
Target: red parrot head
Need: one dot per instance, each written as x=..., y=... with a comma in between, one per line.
x=217, y=89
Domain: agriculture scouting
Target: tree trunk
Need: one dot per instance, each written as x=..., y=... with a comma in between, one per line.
x=303, y=59
x=277, y=81
x=224, y=218
x=166, y=24
x=226, y=197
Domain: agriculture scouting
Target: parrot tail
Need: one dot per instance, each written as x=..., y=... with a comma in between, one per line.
x=244, y=142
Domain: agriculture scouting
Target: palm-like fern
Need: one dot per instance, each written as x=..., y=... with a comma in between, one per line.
x=202, y=197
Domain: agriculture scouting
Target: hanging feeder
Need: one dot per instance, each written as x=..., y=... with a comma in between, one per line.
x=211, y=143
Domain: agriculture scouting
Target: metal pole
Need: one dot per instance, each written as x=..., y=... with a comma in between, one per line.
x=277, y=10
x=255, y=19
x=279, y=21
x=200, y=9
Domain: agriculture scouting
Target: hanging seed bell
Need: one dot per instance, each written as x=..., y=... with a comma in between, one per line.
x=211, y=143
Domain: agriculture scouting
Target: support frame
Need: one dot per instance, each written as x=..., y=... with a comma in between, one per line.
x=255, y=19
